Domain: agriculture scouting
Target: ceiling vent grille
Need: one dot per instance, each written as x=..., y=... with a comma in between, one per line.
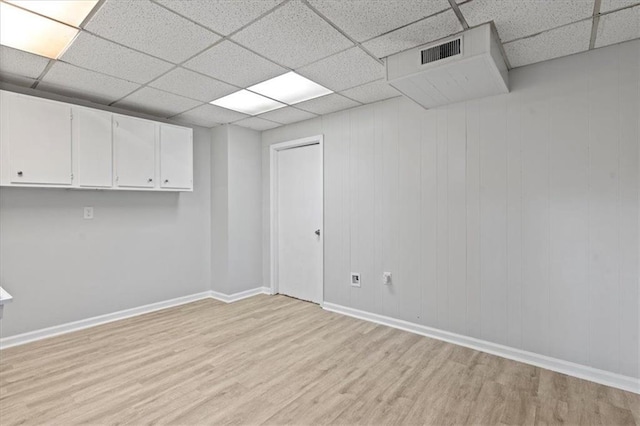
x=441, y=51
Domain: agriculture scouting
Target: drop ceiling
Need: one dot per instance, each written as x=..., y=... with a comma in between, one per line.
x=170, y=58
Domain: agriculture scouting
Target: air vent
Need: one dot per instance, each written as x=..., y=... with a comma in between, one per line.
x=437, y=53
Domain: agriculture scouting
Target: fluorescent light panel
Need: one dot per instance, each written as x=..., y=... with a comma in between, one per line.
x=70, y=12
x=33, y=33
x=290, y=88
x=247, y=102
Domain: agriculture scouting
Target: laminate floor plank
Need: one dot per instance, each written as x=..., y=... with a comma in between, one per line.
x=276, y=360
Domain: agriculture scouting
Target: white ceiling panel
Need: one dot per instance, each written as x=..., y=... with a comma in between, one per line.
x=258, y=124
x=13, y=61
x=73, y=81
x=350, y=68
x=287, y=115
x=372, y=92
x=94, y=53
x=150, y=28
x=209, y=115
x=425, y=31
x=363, y=20
x=515, y=19
x=192, y=85
x=327, y=104
x=609, y=5
x=234, y=64
x=293, y=35
x=618, y=27
x=562, y=41
x=222, y=16
x=156, y=102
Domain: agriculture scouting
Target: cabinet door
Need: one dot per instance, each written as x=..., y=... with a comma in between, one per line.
x=39, y=136
x=92, y=140
x=135, y=143
x=176, y=157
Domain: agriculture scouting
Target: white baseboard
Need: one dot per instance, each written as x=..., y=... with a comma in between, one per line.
x=229, y=298
x=44, y=333
x=607, y=378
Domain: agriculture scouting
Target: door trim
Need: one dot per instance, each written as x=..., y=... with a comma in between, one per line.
x=273, y=205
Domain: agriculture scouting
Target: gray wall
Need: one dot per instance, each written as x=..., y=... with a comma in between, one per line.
x=513, y=219
x=236, y=214
x=140, y=248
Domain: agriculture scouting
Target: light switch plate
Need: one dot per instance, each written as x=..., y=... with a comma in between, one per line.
x=88, y=212
x=355, y=279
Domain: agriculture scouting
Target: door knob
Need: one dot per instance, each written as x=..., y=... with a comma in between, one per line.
x=317, y=232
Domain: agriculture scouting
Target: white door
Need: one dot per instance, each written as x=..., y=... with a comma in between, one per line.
x=92, y=141
x=299, y=210
x=176, y=157
x=39, y=136
x=135, y=144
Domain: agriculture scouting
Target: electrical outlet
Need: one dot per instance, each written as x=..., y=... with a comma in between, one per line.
x=88, y=212
x=386, y=278
x=355, y=279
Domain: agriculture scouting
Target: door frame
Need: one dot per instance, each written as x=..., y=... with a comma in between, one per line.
x=273, y=205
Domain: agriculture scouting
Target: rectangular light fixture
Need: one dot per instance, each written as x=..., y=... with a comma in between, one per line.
x=247, y=102
x=70, y=12
x=33, y=33
x=290, y=88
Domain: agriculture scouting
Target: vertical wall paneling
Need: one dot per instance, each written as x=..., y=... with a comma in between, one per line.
x=513, y=219
x=604, y=276
x=429, y=215
x=474, y=294
x=629, y=122
x=568, y=215
x=457, y=208
x=409, y=279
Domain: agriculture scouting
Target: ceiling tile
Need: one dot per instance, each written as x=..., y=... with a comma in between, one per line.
x=73, y=81
x=222, y=16
x=363, y=20
x=515, y=19
x=287, y=115
x=618, y=27
x=150, y=28
x=609, y=5
x=17, y=62
x=293, y=36
x=423, y=32
x=327, y=104
x=192, y=85
x=94, y=53
x=234, y=64
x=258, y=124
x=156, y=102
x=562, y=41
x=209, y=115
x=372, y=92
x=347, y=69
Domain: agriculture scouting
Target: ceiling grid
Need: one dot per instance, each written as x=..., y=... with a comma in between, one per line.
x=118, y=59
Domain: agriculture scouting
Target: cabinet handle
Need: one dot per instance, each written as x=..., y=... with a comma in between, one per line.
x=166, y=181
x=150, y=180
x=20, y=174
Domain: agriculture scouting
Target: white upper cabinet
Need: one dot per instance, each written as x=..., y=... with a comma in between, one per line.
x=38, y=135
x=92, y=137
x=45, y=143
x=135, y=144
x=176, y=157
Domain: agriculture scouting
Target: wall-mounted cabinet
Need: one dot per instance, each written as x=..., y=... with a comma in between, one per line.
x=46, y=143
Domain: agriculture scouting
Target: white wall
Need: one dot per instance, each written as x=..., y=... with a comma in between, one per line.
x=513, y=219
x=236, y=209
x=140, y=248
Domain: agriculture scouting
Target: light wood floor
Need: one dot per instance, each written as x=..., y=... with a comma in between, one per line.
x=276, y=360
